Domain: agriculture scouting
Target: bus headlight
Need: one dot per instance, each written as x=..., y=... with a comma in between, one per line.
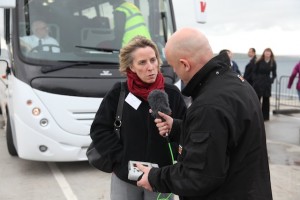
x=44, y=122
x=36, y=111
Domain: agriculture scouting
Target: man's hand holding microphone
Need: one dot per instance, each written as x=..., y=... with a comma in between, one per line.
x=164, y=124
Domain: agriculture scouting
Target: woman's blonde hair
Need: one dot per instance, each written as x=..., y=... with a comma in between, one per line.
x=137, y=42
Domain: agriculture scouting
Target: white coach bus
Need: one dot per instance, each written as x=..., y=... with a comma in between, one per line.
x=49, y=96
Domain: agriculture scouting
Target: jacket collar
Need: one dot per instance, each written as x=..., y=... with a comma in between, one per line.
x=220, y=62
x=253, y=59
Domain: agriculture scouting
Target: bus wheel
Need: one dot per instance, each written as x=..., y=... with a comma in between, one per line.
x=9, y=139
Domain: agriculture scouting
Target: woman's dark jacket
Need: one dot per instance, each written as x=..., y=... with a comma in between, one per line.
x=140, y=140
x=248, y=75
x=223, y=154
x=264, y=75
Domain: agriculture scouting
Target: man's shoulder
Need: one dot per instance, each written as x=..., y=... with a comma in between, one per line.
x=171, y=88
x=51, y=39
x=27, y=37
x=234, y=64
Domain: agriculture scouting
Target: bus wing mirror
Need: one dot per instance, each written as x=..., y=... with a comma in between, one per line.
x=7, y=70
x=8, y=4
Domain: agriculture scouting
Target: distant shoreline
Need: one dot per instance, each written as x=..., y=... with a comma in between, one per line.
x=281, y=57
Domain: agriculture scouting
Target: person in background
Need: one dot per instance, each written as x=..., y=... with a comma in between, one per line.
x=128, y=22
x=296, y=71
x=264, y=75
x=250, y=66
x=222, y=152
x=232, y=63
x=140, y=141
x=40, y=39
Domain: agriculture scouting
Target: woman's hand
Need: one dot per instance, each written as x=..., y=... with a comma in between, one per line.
x=143, y=182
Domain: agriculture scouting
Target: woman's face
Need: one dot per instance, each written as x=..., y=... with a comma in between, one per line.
x=145, y=64
x=251, y=53
x=267, y=54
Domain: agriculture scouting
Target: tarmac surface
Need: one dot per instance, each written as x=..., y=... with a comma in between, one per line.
x=78, y=181
x=283, y=143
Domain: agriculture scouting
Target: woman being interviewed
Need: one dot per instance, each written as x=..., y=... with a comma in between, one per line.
x=139, y=137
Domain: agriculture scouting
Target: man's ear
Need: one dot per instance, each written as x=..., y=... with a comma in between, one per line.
x=185, y=63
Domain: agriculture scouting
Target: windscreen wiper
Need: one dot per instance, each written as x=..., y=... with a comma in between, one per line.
x=46, y=69
x=100, y=49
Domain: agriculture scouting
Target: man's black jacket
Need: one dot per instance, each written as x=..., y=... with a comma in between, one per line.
x=223, y=152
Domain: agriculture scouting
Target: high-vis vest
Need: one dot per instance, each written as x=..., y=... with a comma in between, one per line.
x=135, y=23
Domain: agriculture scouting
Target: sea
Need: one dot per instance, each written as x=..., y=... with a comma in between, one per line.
x=285, y=66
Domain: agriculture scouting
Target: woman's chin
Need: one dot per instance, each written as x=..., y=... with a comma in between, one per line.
x=149, y=80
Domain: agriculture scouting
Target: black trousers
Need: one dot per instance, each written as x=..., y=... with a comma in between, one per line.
x=265, y=106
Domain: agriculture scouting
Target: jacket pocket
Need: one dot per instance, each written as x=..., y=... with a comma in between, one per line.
x=196, y=151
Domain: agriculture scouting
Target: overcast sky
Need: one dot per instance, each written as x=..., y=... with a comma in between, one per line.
x=240, y=24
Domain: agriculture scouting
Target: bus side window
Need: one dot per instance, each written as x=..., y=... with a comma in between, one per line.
x=24, y=30
x=98, y=30
x=100, y=22
x=54, y=31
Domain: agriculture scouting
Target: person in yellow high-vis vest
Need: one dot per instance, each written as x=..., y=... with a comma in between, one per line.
x=128, y=22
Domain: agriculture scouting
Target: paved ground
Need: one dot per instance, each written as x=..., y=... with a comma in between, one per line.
x=78, y=181
x=283, y=137
x=283, y=143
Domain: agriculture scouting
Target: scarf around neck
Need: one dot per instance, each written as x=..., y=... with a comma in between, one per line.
x=141, y=89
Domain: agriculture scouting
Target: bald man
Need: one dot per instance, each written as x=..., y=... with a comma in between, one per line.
x=40, y=39
x=222, y=152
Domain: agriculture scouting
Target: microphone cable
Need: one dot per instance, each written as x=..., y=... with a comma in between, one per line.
x=170, y=148
x=173, y=161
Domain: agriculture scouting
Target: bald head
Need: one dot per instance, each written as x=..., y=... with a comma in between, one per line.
x=40, y=29
x=188, y=48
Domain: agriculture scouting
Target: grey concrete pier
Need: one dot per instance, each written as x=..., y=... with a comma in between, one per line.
x=31, y=180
